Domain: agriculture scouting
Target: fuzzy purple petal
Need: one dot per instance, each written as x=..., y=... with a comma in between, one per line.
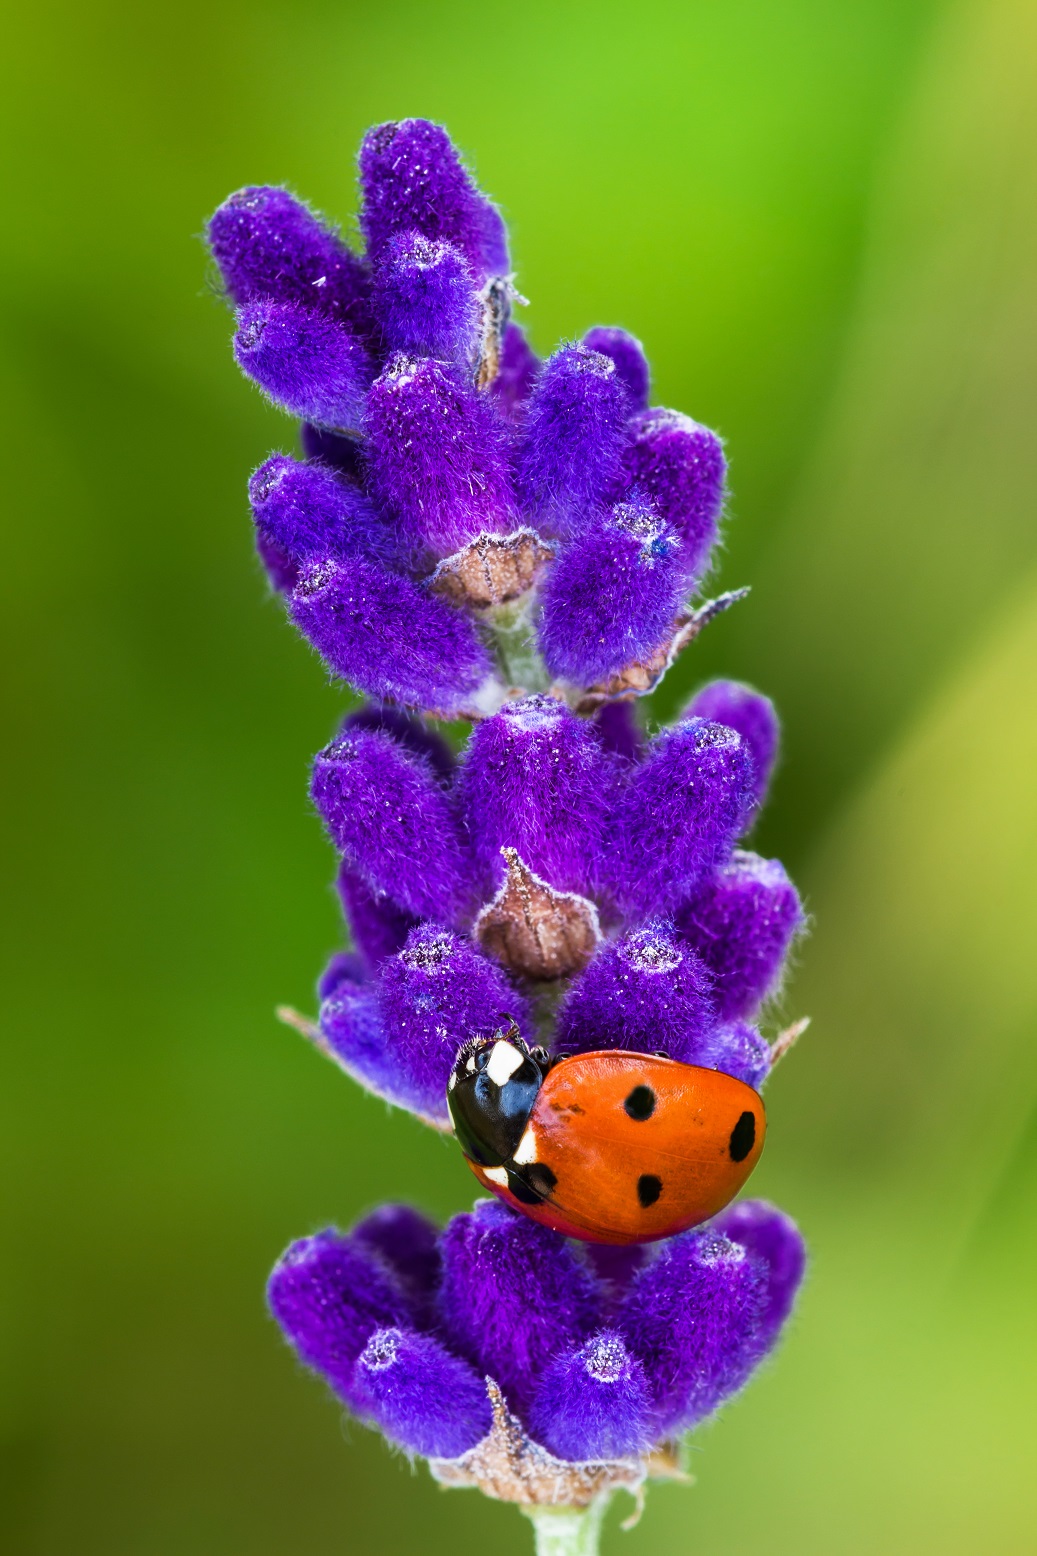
x=389, y=817
x=680, y=811
x=435, y=995
x=534, y=778
x=351, y=1027
x=378, y=925
x=426, y=302
x=307, y=511
x=737, y=1049
x=628, y=354
x=419, y=1395
x=408, y=1244
x=437, y=460
x=282, y=573
x=694, y=1316
x=387, y=636
x=591, y=1402
x=612, y=596
x=751, y=714
x=774, y=1239
x=337, y=449
x=573, y=437
x=269, y=245
x=513, y=1295
x=413, y=180
x=304, y=362
x=619, y=730
x=329, y=1296
x=409, y=731
x=679, y=467
x=742, y=919
x=646, y=992
x=516, y=373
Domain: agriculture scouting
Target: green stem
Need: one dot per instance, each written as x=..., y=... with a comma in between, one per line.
x=568, y=1531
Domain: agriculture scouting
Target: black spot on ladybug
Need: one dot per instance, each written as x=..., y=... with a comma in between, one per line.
x=649, y=1187
x=743, y=1137
x=540, y=1178
x=522, y=1190
x=640, y=1104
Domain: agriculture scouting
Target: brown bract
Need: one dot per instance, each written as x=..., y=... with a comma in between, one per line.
x=491, y=569
x=643, y=675
x=533, y=929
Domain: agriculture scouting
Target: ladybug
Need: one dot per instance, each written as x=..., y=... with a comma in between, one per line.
x=609, y=1147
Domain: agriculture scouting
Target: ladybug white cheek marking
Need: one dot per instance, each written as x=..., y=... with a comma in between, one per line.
x=496, y=1175
x=526, y=1152
x=504, y=1060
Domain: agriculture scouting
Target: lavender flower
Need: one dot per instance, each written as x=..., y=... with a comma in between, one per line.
x=473, y=533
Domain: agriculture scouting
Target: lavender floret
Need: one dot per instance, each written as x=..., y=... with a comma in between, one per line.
x=646, y=992
x=746, y=710
x=629, y=356
x=304, y=362
x=573, y=438
x=742, y=919
x=425, y=300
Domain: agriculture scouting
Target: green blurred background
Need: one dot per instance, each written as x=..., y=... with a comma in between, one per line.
x=821, y=217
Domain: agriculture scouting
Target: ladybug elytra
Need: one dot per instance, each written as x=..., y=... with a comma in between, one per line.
x=608, y=1147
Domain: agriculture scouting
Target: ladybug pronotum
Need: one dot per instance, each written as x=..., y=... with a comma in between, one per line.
x=609, y=1147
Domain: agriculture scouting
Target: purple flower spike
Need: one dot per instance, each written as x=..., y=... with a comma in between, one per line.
x=645, y=992
x=269, y=245
x=573, y=439
x=694, y=1318
x=388, y=816
x=378, y=925
x=513, y=1296
x=306, y=363
x=737, y=1049
x=742, y=920
x=775, y=1240
x=408, y=1244
x=307, y=512
x=436, y=994
x=516, y=373
x=426, y=301
x=592, y=1402
x=629, y=356
x=612, y=596
x=436, y=456
x=414, y=181
x=329, y=1297
x=679, y=467
x=420, y=1396
x=751, y=714
x=535, y=779
x=681, y=810
x=389, y=637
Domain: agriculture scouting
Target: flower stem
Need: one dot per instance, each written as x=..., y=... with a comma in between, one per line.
x=568, y=1531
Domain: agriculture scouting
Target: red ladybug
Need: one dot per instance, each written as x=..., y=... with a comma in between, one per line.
x=609, y=1147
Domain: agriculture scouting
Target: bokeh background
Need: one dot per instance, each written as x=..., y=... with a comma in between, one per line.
x=821, y=218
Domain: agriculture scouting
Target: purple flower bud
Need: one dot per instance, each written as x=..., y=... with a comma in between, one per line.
x=644, y=993
x=432, y=997
x=742, y=708
x=681, y=809
x=388, y=636
x=612, y=596
x=573, y=437
x=344, y=967
x=436, y=456
x=408, y=731
x=351, y=1027
x=619, y=731
x=329, y=1297
x=408, y=1244
x=534, y=778
x=775, y=1240
x=629, y=356
x=414, y=181
x=736, y=1049
x=742, y=920
x=420, y=1396
x=304, y=362
x=282, y=573
x=513, y=1295
x=591, y=1402
x=516, y=373
x=269, y=245
x=694, y=1318
x=425, y=300
x=306, y=511
x=378, y=925
x=336, y=449
x=388, y=816
x=679, y=467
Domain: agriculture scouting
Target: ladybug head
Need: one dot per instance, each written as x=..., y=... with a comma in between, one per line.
x=491, y=1094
